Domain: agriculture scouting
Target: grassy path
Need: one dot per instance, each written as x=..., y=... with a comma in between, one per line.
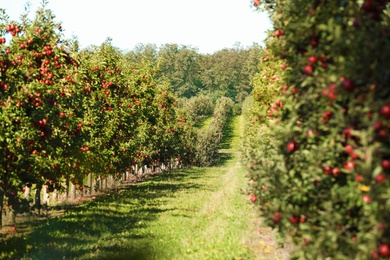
x=198, y=213
x=211, y=222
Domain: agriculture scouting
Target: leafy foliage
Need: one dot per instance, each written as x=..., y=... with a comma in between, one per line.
x=224, y=73
x=209, y=141
x=317, y=137
x=66, y=113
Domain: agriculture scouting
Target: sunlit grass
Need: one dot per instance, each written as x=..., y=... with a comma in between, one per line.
x=231, y=135
x=203, y=122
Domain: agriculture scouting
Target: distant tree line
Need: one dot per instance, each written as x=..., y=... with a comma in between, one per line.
x=227, y=72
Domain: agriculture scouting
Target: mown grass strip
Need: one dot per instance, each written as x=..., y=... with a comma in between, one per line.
x=203, y=122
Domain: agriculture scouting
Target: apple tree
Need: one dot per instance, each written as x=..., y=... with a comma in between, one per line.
x=321, y=167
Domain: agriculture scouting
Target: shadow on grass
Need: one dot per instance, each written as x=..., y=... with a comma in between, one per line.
x=223, y=158
x=202, y=122
x=113, y=226
x=228, y=133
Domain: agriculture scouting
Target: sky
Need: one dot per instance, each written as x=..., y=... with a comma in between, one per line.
x=208, y=25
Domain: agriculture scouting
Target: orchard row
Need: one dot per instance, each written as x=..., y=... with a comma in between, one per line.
x=65, y=113
x=209, y=141
x=317, y=143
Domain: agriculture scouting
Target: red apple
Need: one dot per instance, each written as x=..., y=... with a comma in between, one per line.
x=349, y=165
x=336, y=172
x=384, y=250
x=348, y=149
x=354, y=156
x=366, y=199
x=383, y=133
x=309, y=133
x=380, y=178
x=367, y=5
x=294, y=219
x=347, y=84
x=292, y=146
x=278, y=33
x=359, y=178
x=385, y=111
x=385, y=164
x=327, y=170
x=381, y=226
x=277, y=218
x=347, y=132
x=253, y=198
x=308, y=69
x=312, y=59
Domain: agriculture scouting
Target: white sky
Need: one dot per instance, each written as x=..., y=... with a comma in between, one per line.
x=208, y=25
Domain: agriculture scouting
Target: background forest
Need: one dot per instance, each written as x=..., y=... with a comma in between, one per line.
x=200, y=79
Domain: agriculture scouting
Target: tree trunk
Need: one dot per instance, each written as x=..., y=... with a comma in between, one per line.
x=104, y=184
x=67, y=190
x=111, y=182
x=54, y=197
x=37, y=203
x=100, y=184
x=90, y=184
x=82, y=190
x=45, y=194
x=108, y=182
x=12, y=217
x=1, y=209
x=27, y=191
x=72, y=192
x=14, y=205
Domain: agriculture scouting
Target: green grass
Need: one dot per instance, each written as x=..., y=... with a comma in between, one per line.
x=203, y=122
x=198, y=213
x=231, y=135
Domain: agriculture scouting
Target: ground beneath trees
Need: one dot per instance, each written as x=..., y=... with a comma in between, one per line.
x=197, y=213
